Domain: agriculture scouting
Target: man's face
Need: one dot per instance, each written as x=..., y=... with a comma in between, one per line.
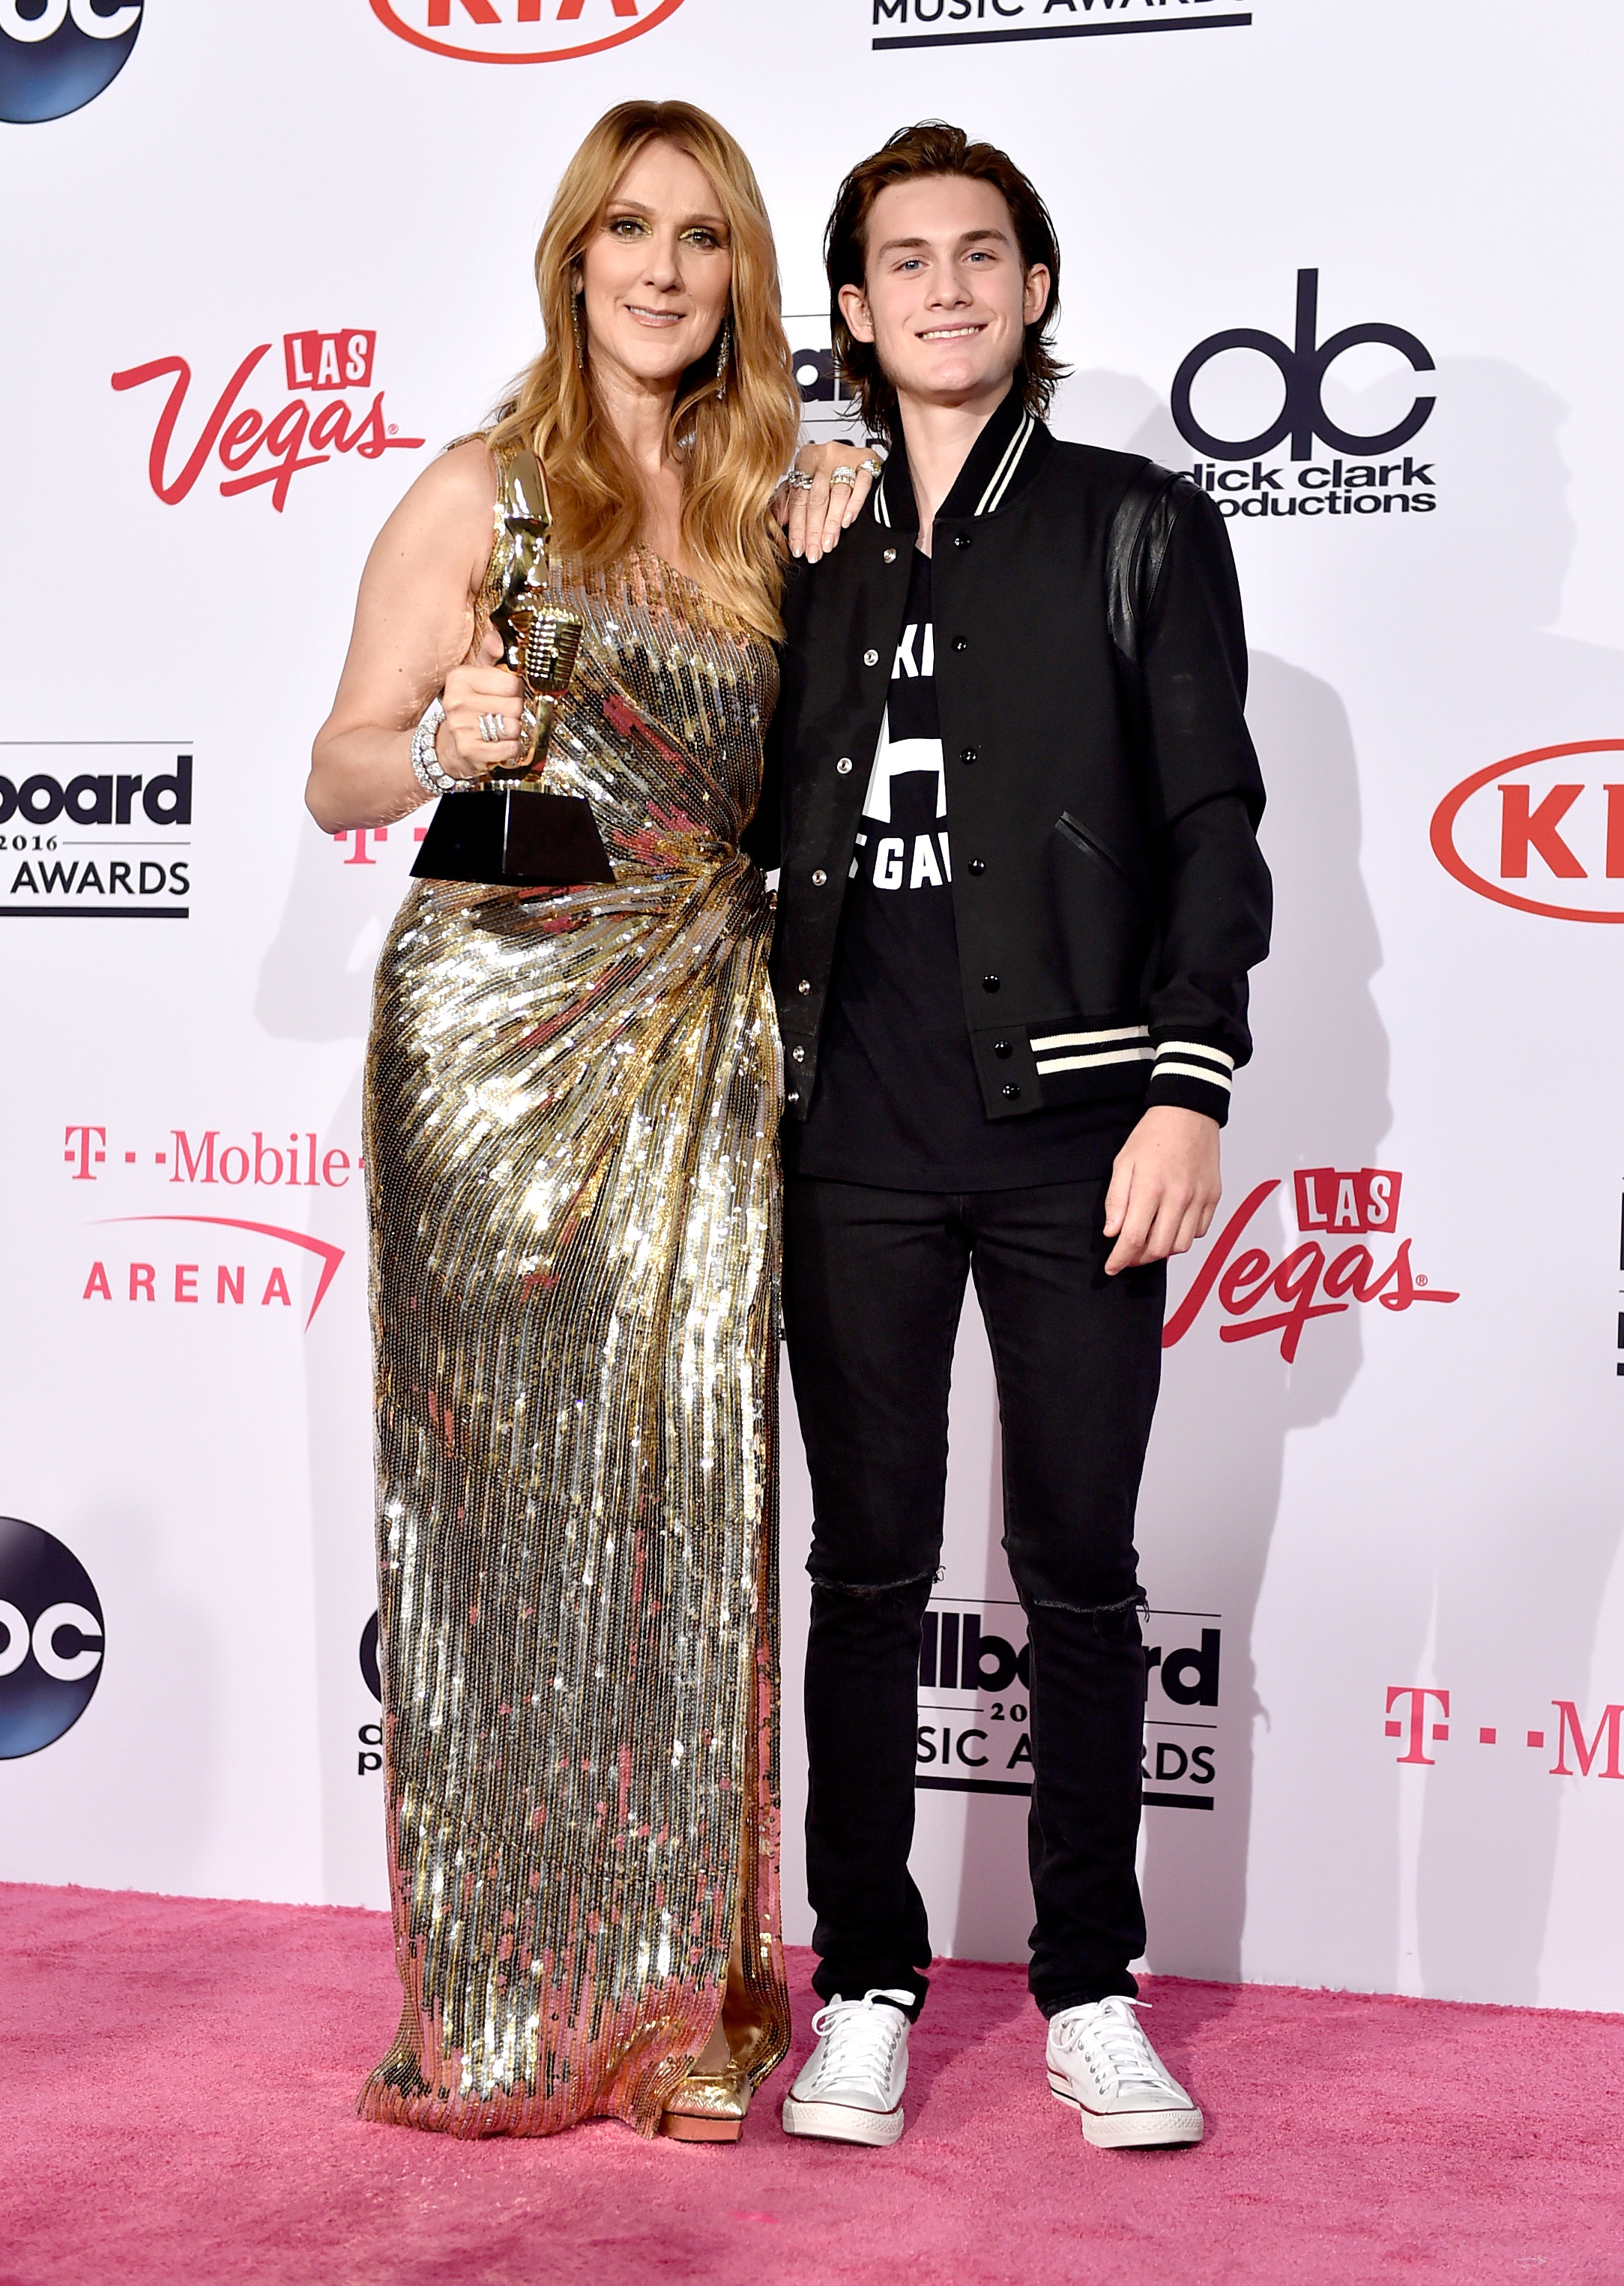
x=946, y=301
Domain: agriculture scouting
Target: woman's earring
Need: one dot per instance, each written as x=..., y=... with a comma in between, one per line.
x=581, y=350
x=722, y=359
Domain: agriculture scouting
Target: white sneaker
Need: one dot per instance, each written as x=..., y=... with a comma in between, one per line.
x=1100, y=2061
x=850, y=2088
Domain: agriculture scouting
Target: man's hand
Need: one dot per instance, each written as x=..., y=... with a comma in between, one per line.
x=1164, y=1187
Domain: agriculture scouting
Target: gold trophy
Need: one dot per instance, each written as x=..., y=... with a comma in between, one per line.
x=505, y=829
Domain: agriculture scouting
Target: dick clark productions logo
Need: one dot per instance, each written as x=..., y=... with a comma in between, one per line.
x=520, y=31
x=51, y=1639
x=61, y=54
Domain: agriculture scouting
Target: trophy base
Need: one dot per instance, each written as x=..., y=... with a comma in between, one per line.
x=508, y=837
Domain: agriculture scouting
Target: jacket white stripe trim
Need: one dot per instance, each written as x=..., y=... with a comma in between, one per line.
x=1190, y=1071
x=1086, y=1039
x=882, y=514
x=998, y=484
x=1194, y=1048
x=1095, y=1061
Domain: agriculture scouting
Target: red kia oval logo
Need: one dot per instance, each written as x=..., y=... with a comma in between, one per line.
x=519, y=31
x=1525, y=829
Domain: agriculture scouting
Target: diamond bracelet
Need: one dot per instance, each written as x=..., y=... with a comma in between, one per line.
x=425, y=762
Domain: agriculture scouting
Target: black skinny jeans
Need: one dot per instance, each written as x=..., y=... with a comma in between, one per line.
x=874, y=1283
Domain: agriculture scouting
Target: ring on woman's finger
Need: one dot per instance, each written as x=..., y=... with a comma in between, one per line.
x=798, y=481
x=871, y=468
x=492, y=729
x=842, y=475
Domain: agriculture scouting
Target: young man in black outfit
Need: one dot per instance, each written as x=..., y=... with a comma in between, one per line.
x=1020, y=891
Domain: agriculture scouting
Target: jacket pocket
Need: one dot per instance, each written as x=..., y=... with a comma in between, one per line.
x=1098, y=921
x=1080, y=838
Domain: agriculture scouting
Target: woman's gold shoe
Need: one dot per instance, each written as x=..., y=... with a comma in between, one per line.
x=709, y=2106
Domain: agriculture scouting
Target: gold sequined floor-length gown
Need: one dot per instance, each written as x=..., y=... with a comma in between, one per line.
x=572, y=1110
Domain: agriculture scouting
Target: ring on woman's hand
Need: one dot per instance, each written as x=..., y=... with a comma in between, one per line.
x=798, y=481
x=872, y=468
x=842, y=475
x=492, y=729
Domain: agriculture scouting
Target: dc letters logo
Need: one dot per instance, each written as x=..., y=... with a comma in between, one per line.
x=520, y=31
x=51, y=1639
x=56, y=56
x=1525, y=832
x=1353, y=485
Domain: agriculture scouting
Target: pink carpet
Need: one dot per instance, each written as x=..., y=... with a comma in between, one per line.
x=178, y=2076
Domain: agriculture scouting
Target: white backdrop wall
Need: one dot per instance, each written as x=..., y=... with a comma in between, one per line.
x=1350, y=1503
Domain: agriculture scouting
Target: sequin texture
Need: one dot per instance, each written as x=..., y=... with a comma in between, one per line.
x=572, y=1110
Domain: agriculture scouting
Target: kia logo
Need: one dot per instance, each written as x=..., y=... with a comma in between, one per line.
x=61, y=55
x=51, y=1639
x=1303, y=367
x=519, y=31
x=1525, y=820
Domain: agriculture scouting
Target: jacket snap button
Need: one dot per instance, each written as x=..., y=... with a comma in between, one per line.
x=1011, y=1090
x=805, y=985
x=1000, y=1047
x=961, y=539
x=798, y=1055
x=976, y=865
x=793, y=1096
x=969, y=753
x=989, y=984
x=844, y=766
x=818, y=878
x=871, y=659
x=890, y=555
x=961, y=642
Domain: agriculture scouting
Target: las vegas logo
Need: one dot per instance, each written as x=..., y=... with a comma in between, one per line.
x=1334, y=1204
x=257, y=450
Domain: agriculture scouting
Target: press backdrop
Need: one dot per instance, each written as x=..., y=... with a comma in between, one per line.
x=1351, y=262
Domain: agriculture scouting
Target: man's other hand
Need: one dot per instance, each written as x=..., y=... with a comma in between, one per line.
x=1164, y=1187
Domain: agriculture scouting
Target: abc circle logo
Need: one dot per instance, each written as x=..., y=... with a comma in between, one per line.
x=519, y=31
x=51, y=1639
x=56, y=56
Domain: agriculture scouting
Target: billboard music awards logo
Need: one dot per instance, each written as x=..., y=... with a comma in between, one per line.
x=261, y=1264
x=970, y=1653
x=99, y=837
x=520, y=31
x=1524, y=832
x=977, y=23
x=1360, y=476
x=1419, y=1715
x=51, y=1639
x=61, y=54
x=1338, y=1209
x=331, y=408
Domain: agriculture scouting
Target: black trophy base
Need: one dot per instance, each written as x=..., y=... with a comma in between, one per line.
x=513, y=838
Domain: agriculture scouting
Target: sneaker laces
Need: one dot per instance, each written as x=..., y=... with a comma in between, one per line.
x=1117, y=2031
x=860, y=2037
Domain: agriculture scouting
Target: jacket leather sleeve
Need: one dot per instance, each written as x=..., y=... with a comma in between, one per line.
x=1206, y=796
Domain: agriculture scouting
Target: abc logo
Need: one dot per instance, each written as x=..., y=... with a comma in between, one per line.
x=51, y=1641
x=58, y=55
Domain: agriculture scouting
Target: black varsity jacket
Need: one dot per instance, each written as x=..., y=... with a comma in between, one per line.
x=1103, y=795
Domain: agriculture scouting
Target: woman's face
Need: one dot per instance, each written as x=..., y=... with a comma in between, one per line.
x=657, y=271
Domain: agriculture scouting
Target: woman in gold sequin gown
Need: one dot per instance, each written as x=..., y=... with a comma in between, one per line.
x=572, y=1106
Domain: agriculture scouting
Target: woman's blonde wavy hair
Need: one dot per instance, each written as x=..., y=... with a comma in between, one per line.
x=733, y=451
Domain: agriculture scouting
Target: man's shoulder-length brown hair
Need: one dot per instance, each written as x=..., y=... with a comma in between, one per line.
x=932, y=148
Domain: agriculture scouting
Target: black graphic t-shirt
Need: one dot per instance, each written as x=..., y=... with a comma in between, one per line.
x=897, y=1102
